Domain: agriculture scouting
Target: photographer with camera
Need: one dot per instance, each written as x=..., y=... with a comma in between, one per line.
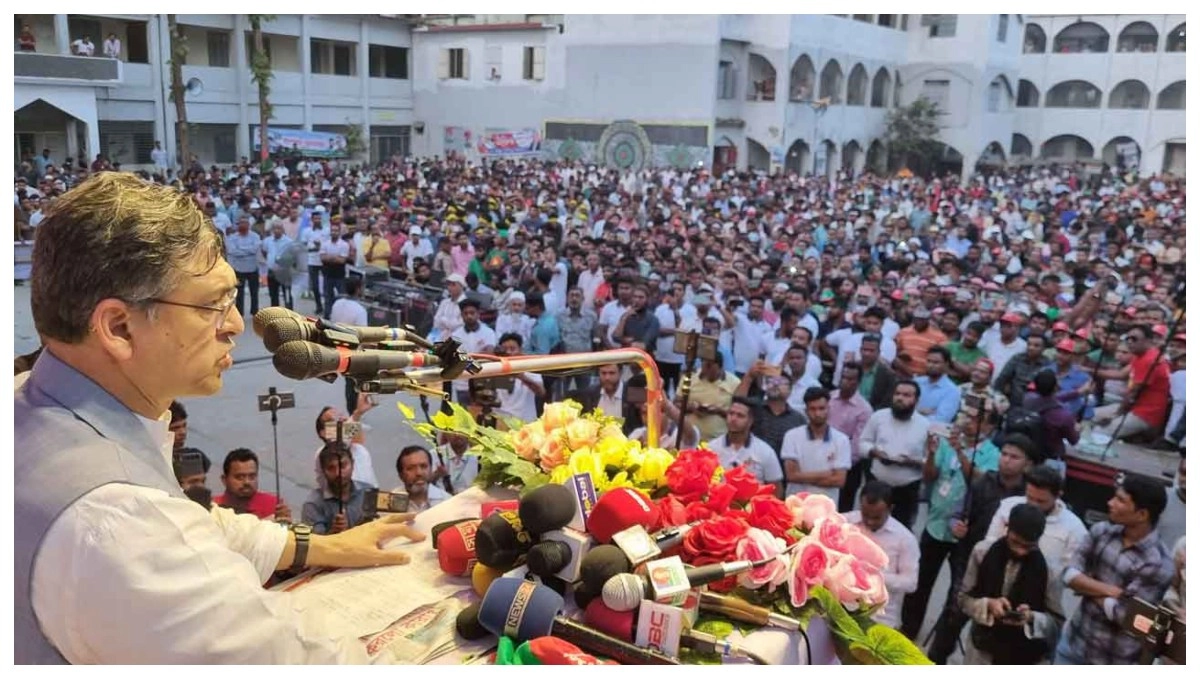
x=337, y=504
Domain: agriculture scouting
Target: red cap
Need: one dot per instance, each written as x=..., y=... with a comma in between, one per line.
x=1180, y=338
x=1011, y=317
x=1159, y=329
x=1131, y=311
x=619, y=509
x=986, y=361
x=1066, y=345
x=898, y=295
x=991, y=286
x=1060, y=326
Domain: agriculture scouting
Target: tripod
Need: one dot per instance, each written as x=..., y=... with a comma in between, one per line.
x=275, y=401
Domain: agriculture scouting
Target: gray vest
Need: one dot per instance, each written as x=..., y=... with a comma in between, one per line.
x=71, y=437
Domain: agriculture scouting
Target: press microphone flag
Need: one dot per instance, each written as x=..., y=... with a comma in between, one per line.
x=302, y=360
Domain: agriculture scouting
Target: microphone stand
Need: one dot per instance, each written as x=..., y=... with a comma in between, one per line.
x=685, y=388
x=275, y=401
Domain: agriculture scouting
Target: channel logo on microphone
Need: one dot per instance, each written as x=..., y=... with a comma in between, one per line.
x=516, y=611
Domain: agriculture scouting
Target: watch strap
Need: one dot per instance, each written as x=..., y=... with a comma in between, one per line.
x=300, y=559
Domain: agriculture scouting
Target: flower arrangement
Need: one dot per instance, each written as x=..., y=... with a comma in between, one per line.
x=821, y=565
x=561, y=443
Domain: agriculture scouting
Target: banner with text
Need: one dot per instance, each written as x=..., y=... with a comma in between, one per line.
x=309, y=144
x=496, y=142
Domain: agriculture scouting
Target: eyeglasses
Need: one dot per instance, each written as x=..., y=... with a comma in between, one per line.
x=221, y=309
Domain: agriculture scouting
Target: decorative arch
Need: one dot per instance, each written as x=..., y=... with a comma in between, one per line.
x=1067, y=147
x=757, y=156
x=1138, y=36
x=1027, y=94
x=1081, y=37
x=993, y=155
x=1130, y=94
x=1073, y=94
x=1122, y=152
x=1021, y=146
x=851, y=155
x=1035, y=40
x=1172, y=97
x=877, y=157
x=798, y=157
x=830, y=151
x=879, y=88
x=856, y=92
x=831, y=82
x=761, y=85
x=802, y=79
x=1175, y=39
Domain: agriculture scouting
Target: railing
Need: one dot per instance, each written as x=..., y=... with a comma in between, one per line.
x=66, y=67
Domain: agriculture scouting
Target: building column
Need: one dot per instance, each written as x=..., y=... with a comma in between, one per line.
x=159, y=35
x=241, y=66
x=305, y=70
x=968, y=166
x=72, y=138
x=93, y=136
x=62, y=34
x=364, y=79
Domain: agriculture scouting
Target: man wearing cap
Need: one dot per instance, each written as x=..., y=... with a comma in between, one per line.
x=1144, y=407
x=448, y=317
x=1006, y=343
x=1074, y=384
x=916, y=340
x=1014, y=379
x=416, y=246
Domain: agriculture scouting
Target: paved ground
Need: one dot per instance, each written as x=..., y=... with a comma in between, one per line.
x=231, y=420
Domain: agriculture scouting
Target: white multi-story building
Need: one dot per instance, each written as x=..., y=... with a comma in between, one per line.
x=804, y=93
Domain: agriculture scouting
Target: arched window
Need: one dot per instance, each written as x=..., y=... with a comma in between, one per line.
x=802, y=79
x=1067, y=147
x=1073, y=94
x=1138, y=37
x=999, y=95
x=831, y=82
x=1172, y=97
x=1175, y=41
x=1027, y=94
x=1083, y=37
x=879, y=88
x=762, y=79
x=1021, y=146
x=857, y=92
x=1130, y=94
x=1035, y=40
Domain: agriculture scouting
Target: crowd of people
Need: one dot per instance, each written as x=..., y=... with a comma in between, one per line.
x=889, y=342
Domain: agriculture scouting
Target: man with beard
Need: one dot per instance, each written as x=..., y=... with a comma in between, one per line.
x=741, y=448
x=939, y=396
x=614, y=311
x=965, y=352
x=1014, y=378
x=1011, y=596
x=878, y=381
x=916, y=340
x=848, y=413
x=638, y=326
x=816, y=456
x=895, y=442
x=413, y=466
x=240, y=476
x=337, y=505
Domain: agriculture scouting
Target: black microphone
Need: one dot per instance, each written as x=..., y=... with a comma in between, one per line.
x=301, y=360
x=279, y=331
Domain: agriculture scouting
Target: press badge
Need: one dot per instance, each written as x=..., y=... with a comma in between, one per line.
x=944, y=488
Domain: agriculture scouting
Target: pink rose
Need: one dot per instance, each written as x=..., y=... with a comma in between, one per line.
x=832, y=533
x=757, y=545
x=860, y=545
x=529, y=441
x=855, y=583
x=809, y=508
x=809, y=565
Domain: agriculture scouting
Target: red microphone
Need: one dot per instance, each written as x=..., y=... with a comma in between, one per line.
x=619, y=509
x=619, y=624
x=456, y=548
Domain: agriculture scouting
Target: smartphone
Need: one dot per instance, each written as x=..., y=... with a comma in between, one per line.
x=189, y=464
x=377, y=502
x=350, y=430
x=1012, y=616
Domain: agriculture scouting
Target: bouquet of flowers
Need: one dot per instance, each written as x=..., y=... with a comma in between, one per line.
x=822, y=565
x=561, y=443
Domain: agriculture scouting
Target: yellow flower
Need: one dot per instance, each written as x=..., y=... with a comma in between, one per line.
x=611, y=430
x=561, y=474
x=653, y=470
x=621, y=480
x=558, y=415
x=612, y=452
x=581, y=433
x=587, y=462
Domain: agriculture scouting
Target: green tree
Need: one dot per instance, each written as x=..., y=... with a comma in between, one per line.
x=179, y=51
x=912, y=132
x=261, y=75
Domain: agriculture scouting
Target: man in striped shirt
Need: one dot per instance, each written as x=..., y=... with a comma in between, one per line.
x=916, y=340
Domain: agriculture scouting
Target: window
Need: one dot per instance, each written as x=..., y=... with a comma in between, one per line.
x=1081, y=37
x=856, y=94
x=887, y=20
x=1073, y=94
x=343, y=63
x=941, y=25
x=79, y=27
x=995, y=93
x=726, y=80
x=389, y=141
x=1138, y=37
x=454, y=64
x=332, y=58
x=1035, y=40
x=865, y=18
x=1027, y=95
x=1002, y=29
x=1172, y=97
x=388, y=62
x=127, y=142
x=1130, y=94
x=1175, y=40
x=937, y=92
x=218, y=48
x=533, y=63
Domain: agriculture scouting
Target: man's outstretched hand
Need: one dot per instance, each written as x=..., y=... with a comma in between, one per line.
x=362, y=545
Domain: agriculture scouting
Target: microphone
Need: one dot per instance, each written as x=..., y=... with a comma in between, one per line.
x=456, y=548
x=619, y=509
x=559, y=554
x=302, y=360
x=524, y=610
x=669, y=538
x=625, y=591
x=600, y=565
x=467, y=624
x=501, y=541
x=267, y=315
x=743, y=611
x=279, y=331
x=547, y=508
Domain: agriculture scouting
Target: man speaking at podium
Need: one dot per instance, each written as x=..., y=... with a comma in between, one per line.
x=131, y=296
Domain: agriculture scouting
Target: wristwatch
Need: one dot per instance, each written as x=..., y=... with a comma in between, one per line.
x=302, y=532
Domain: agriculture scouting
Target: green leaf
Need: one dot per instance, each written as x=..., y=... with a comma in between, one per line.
x=890, y=647
x=716, y=626
x=840, y=621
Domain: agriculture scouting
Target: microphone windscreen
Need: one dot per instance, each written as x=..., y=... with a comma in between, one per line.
x=600, y=564
x=547, y=558
x=283, y=330
x=272, y=313
x=456, y=548
x=467, y=624
x=519, y=609
x=302, y=360
x=501, y=541
x=583, y=596
x=623, y=592
x=437, y=530
x=482, y=577
x=619, y=624
x=547, y=508
x=619, y=509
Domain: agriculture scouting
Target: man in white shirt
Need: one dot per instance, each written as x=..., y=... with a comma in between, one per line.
x=558, y=280
x=672, y=314
x=95, y=498
x=474, y=336
x=748, y=331
x=83, y=47
x=875, y=519
x=521, y=401
x=313, y=238
x=590, y=279
x=159, y=157
x=848, y=342
x=1005, y=344
x=112, y=46
x=612, y=312
x=739, y=448
x=816, y=456
x=279, y=277
x=894, y=439
x=417, y=246
x=448, y=317
x=413, y=466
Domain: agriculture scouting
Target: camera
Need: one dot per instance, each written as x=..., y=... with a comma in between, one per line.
x=376, y=502
x=350, y=430
x=485, y=392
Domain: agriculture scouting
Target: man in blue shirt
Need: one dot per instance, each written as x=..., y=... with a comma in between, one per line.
x=939, y=396
x=241, y=249
x=338, y=504
x=545, y=334
x=1073, y=382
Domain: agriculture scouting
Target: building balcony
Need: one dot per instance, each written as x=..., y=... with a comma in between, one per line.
x=61, y=69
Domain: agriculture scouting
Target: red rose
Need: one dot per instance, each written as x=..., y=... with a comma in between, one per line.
x=771, y=515
x=738, y=514
x=671, y=513
x=720, y=497
x=698, y=511
x=713, y=541
x=744, y=483
x=690, y=475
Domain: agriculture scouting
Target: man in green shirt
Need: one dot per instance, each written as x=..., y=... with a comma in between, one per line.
x=965, y=352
